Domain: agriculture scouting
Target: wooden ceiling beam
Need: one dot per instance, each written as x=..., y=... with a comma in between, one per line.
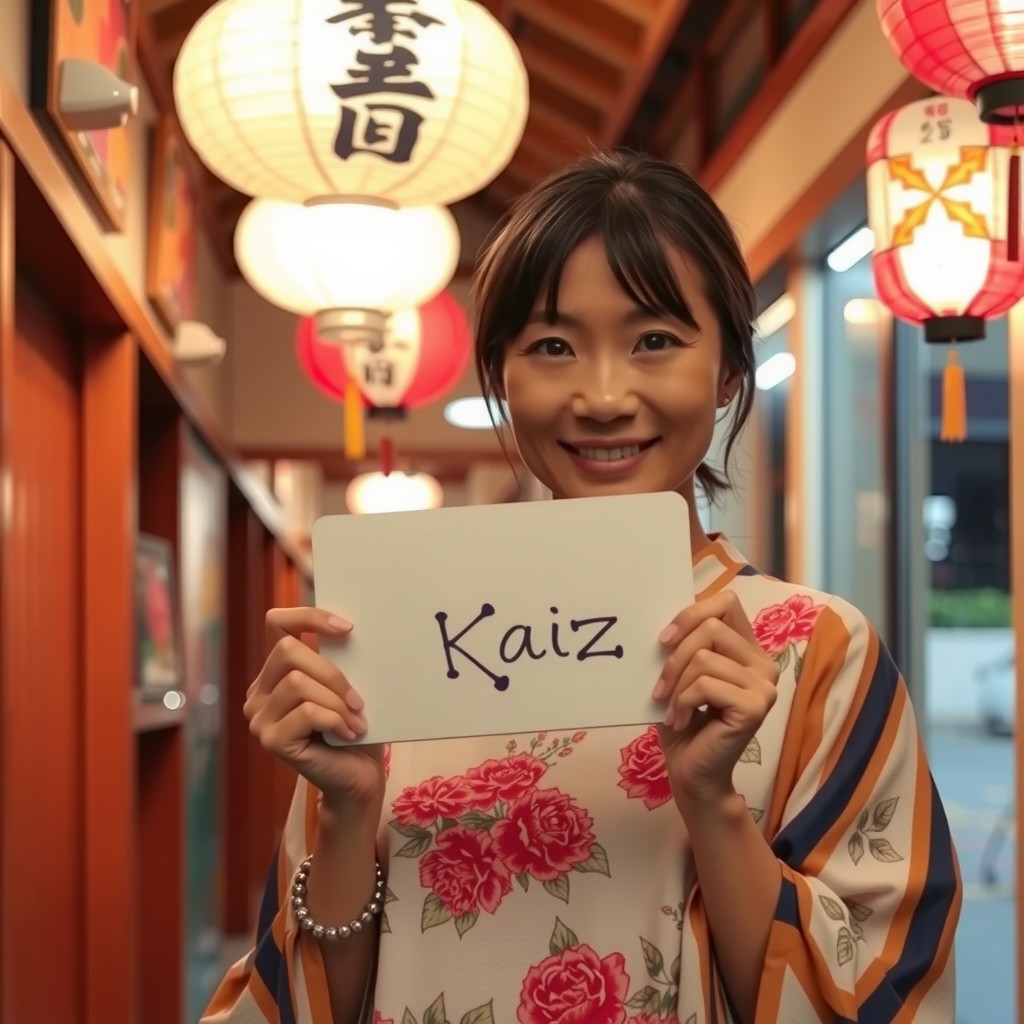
x=579, y=32
x=565, y=77
x=177, y=19
x=660, y=32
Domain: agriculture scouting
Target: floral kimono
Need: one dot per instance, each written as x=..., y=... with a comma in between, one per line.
x=547, y=878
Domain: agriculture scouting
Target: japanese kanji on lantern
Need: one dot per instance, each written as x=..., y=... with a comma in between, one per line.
x=967, y=49
x=938, y=183
x=424, y=354
x=417, y=102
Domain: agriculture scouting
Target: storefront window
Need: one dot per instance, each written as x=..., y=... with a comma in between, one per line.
x=954, y=594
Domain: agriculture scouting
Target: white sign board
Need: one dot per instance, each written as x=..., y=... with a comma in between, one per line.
x=504, y=619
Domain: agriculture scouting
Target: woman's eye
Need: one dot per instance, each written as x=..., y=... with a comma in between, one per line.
x=551, y=347
x=657, y=341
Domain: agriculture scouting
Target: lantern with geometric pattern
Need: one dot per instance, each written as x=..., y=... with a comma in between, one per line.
x=946, y=249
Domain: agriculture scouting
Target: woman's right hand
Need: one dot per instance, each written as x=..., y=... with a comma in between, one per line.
x=297, y=696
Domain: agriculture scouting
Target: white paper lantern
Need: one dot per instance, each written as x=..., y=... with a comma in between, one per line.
x=348, y=264
x=419, y=102
x=396, y=492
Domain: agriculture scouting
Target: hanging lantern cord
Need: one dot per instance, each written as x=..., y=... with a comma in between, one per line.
x=1013, y=213
x=954, y=398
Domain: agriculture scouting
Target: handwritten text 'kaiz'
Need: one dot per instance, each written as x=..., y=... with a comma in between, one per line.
x=518, y=641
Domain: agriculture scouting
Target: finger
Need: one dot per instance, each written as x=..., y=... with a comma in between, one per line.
x=297, y=688
x=290, y=654
x=710, y=635
x=282, y=622
x=736, y=706
x=305, y=721
x=724, y=605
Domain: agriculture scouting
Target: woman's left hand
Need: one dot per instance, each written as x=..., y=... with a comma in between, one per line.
x=718, y=665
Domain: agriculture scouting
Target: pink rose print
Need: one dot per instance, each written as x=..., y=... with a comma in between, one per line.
x=505, y=780
x=573, y=987
x=435, y=798
x=642, y=773
x=783, y=624
x=544, y=835
x=463, y=872
x=379, y=1018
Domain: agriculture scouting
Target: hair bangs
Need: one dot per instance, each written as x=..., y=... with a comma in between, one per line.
x=637, y=257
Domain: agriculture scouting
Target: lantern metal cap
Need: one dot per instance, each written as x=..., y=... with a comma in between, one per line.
x=944, y=329
x=1001, y=101
x=352, y=327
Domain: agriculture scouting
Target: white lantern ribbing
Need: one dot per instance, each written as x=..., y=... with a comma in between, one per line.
x=419, y=102
x=394, y=492
x=348, y=264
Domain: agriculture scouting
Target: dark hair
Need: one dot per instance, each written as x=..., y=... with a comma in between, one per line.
x=637, y=204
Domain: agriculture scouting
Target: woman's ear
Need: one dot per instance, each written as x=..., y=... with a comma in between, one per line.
x=728, y=386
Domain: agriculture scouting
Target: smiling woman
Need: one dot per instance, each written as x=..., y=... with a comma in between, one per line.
x=772, y=851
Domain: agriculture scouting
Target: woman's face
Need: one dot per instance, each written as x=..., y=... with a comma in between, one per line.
x=610, y=400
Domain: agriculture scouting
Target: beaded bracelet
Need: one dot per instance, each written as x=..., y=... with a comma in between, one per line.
x=345, y=931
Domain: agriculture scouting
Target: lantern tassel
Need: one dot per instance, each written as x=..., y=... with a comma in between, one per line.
x=355, y=427
x=1013, y=212
x=387, y=456
x=954, y=400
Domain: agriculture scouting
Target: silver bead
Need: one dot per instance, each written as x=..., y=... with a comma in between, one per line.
x=373, y=908
x=299, y=889
x=366, y=917
x=318, y=931
x=298, y=901
x=301, y=912
x=357, y=926
x=307, y=923
x=331, y=934
x=305, y=865
x=344, y=931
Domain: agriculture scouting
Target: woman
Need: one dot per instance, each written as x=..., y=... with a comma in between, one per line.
x=779, y=856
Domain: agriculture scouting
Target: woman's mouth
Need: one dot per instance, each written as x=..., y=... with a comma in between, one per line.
x=609, y=457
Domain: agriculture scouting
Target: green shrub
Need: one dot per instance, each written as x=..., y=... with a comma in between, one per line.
x=984, y=608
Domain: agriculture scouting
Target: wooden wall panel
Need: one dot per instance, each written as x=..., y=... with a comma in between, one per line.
x=40, y=669
x=108, y=669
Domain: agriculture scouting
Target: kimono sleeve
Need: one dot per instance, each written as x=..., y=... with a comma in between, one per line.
x=280, y=980
x=871, y=893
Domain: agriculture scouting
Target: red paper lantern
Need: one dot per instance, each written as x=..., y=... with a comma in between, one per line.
x=971, y=49
x=938, y=187
x=424, y=355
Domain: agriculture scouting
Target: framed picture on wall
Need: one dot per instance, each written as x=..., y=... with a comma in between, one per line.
x=157, y=619
x=171, y=254
x=95, y=30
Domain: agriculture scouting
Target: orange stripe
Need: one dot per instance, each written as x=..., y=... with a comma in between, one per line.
x=730, y=569
x=702, y=938
x=819, y=857
x=229, y=991
x=823, y=660
x=314, y=973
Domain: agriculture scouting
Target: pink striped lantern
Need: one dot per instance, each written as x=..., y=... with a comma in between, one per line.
x=970, y=49
x=939, y=182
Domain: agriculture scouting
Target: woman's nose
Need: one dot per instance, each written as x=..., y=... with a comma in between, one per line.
x=608, y=397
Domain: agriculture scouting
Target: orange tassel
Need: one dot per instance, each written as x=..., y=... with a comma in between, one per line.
x=954, y=400
x=355, y=427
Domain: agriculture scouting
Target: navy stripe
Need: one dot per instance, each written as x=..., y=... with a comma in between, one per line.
x=787, y=910
x=268, y=905
x=832, y=802
x=269, y=962
x=748, y=570
x=930, y=916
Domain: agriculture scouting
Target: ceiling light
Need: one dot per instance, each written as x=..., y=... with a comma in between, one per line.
x=473, y=413
x=774, y=370
x=850, y=251
x=775, y=317
x=396, y=492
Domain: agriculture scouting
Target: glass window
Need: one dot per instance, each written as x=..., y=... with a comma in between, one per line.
x=954, y=596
